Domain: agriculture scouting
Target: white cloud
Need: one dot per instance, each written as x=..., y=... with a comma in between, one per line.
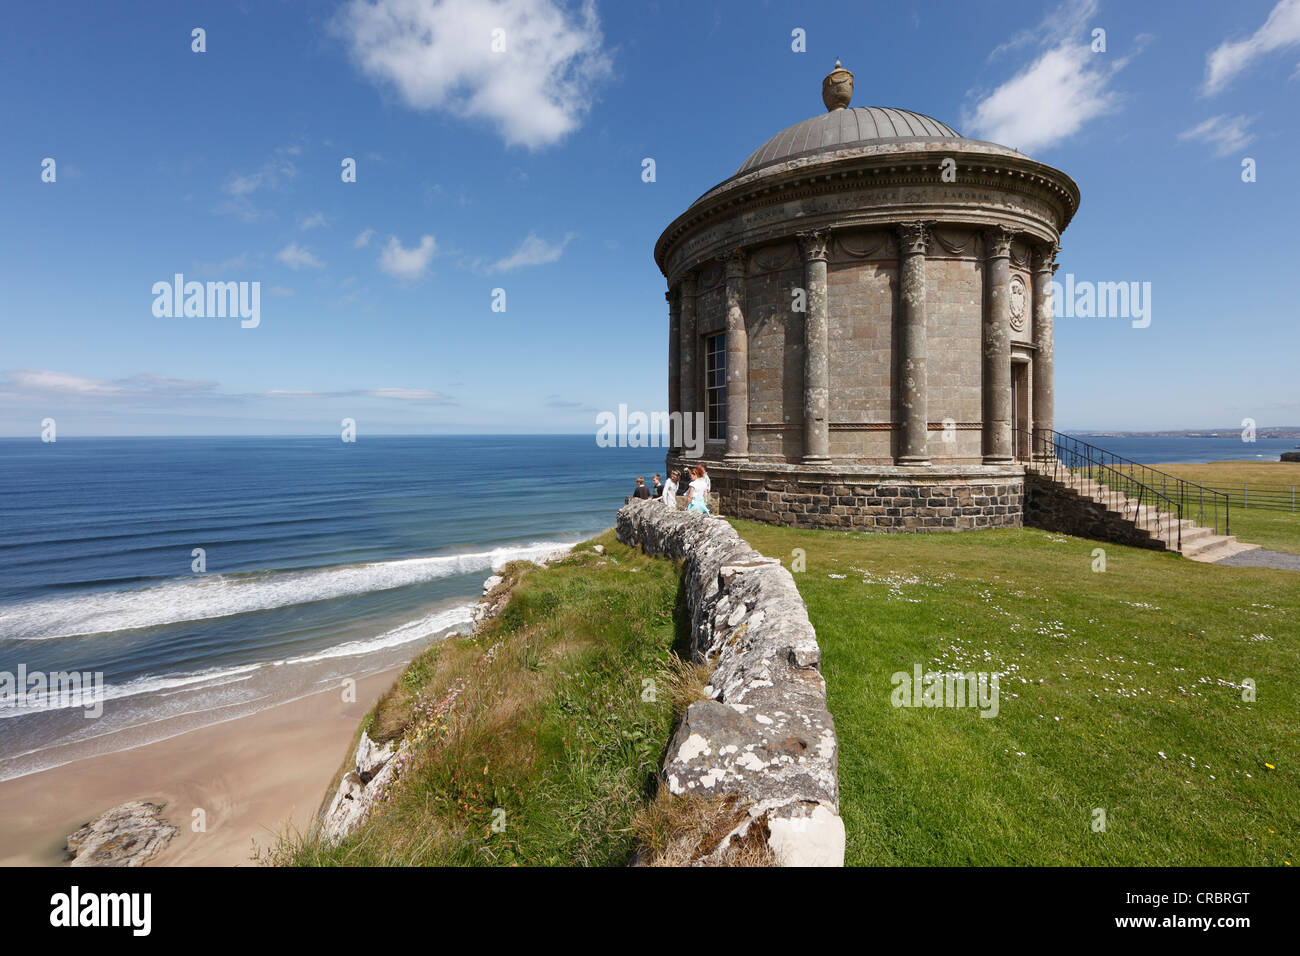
x=1227, y=134
x=273, y=174
x=363, y=239
x=1057, y=93
x=424, y=395
x=533, y=251
x=437, y=54
x=409, y=395
x=407, y=263
x=315, y=220
x=226, y=266
x=296, y=257
x=43, y=382
x=1280, y=30
x=240, y=187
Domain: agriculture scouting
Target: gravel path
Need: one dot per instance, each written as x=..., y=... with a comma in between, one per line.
x=1262, y=558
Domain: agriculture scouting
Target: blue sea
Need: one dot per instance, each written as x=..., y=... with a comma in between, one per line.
x=1150, y=451
x=322, y=561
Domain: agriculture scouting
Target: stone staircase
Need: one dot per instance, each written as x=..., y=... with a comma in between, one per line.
x=1160, y=526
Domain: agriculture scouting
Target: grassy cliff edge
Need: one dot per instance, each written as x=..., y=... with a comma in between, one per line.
x=536, y=740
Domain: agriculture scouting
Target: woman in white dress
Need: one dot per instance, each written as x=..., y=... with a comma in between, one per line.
x=670, y=490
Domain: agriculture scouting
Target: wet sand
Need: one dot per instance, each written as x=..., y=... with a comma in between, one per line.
x=253, y=776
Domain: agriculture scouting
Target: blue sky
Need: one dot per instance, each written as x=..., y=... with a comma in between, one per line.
x=521, y=170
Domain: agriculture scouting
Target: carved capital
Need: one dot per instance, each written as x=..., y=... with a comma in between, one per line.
x=814, y=245
x=734, y=262
x=997, y=241
x=686, y=285
x=1045, y=257
x=913, y=238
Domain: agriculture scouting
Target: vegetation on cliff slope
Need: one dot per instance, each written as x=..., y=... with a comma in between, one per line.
x=537, y=740
x=1123, y=694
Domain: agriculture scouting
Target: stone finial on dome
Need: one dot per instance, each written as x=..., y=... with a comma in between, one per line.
x=837, y=88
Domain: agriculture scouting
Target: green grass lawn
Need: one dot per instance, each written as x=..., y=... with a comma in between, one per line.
x=1122, y=693
x=1268, y=528
x=542, y=723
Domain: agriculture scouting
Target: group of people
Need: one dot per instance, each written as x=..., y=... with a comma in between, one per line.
x=697, y=491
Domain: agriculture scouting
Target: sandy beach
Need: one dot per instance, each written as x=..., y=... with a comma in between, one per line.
x=252, y=776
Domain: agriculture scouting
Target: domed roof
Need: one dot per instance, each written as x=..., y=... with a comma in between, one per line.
x=856, y=126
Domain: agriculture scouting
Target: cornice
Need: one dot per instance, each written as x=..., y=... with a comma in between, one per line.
x=1008, y=173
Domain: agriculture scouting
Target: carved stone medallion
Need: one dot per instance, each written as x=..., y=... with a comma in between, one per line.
x=1018, y=297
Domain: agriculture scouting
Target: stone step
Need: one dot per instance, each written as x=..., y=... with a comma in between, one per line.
x=1212, y=547
x=1194, y=534
x=1223, y=550
x=1185, y=536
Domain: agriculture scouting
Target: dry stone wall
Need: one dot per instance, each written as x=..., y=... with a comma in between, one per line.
x=1054, y=507
x=764, y=735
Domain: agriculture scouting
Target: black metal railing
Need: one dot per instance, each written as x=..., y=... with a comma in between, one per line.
x=1205, y=506
x=1112, y=481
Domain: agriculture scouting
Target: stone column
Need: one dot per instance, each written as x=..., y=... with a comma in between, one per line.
x=674, y=366
x=688, y=373
x=1043, y=411
x=913, y=238
x=816, y=360
x=997, y=346
x=737, y=358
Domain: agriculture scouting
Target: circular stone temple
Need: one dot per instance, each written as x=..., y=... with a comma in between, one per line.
x=861, y=323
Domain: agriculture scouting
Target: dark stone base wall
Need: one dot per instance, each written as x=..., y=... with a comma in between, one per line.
x=866, y=499
x=1053, y=507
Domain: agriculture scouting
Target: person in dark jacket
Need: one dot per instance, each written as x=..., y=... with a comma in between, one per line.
x=641, y=490
x=659, y=486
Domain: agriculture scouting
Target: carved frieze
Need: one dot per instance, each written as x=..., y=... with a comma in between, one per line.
x=860, y=210
x=865, y=245
x=773, y=258
x=710, y=277
x=956, y=242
